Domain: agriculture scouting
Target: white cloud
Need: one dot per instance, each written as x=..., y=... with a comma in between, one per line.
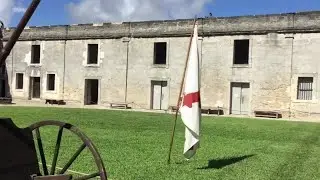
x=87, y=11
x=8, y=8
x=19, y=9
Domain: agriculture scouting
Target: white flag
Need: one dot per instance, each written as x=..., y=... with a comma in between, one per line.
x=191, y=106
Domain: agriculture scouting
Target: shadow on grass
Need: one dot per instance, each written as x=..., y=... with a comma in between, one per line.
x=220, y=163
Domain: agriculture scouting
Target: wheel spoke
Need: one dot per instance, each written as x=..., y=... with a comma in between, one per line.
x=73, y=158
x=56, y=152
x=87, y=143
x=43, y=158
x=88, y=176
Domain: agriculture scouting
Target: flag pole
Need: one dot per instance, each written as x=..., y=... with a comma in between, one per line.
x=181, y=86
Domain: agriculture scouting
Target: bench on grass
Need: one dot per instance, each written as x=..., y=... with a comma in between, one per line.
x=172, y=108
x=5, y=100
x=54, y=101
x=266, y=113
x=119, y=105
x=204, y=110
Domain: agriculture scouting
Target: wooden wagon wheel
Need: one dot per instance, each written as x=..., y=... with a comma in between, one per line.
x=86, y=143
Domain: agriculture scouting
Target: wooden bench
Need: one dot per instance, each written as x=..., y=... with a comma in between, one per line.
x=204, y=110
x=216, y=110
x=265, y=113
x=5, y=100
x=212, y=110
x=54, y=101
x=119, y=105
x=172, y=108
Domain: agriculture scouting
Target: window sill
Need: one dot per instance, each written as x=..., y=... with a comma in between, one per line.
x=92, y=65
x=305, y=101
x=160, y=65
x=51, y=91
x=241, y=66
x=19, y=90
x=35, y=65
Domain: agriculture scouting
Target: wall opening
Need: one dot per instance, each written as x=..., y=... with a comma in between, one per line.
x=34, y=87
x=4, y=84
x=51, y=82
x=2, y=88
x=19, y=81
x=241, y=51
x=240, y=101
x=91, y=91
x=160, y=53
x=35, y=54
x=92, y=54
x=159, y=95
x=304, y=89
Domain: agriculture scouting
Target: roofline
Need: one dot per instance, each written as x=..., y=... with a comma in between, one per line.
x=305, y=21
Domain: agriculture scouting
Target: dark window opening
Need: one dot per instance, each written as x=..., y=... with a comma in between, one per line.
x=2, y=88
x=91, y=91
x=304, y=89
x=19, y=81
x=35, y=54
x=241, y=51
x=92, y=54
x=50, y=82
x=160, y=53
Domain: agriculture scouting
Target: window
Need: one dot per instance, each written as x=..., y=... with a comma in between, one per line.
x=19, y=81
x=92, y=54
x=50, y=82
x=35, y=54
x=241, y=51
x=160, y=53
x=304, y=90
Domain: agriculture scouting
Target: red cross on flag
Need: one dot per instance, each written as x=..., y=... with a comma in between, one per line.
x=190, y=107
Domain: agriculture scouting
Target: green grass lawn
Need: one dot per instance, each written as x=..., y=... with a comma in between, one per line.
x=135, y=145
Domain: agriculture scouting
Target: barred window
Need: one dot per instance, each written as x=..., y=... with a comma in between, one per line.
x=304, y=91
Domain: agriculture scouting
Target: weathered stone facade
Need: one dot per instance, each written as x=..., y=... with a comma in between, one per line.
x=282, y=47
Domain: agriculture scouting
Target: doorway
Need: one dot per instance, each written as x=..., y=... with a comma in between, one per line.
x=2, y=88
x=240, y=98
x=91, y=93
x=159, y=95
x=34, y=88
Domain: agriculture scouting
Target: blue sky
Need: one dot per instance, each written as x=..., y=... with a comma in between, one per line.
x=55, y=12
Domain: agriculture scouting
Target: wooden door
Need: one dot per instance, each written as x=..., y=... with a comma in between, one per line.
x=240, y=98
x=159, y=93
x=235, y=98
x=36, y=87
x=244, y=104
x=156, y=95
x=164, y=95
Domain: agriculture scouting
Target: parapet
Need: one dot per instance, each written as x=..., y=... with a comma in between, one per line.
x=303, y=22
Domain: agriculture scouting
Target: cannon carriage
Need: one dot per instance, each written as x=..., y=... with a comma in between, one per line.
x=22, y=155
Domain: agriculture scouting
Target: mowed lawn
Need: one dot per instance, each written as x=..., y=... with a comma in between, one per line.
x=135, y=145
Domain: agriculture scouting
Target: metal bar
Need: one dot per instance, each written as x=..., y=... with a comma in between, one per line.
x=56, y=152
x=55, y=177
x=73, y=158
x=88, y=176
x=16, y=34
x=43, y=158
